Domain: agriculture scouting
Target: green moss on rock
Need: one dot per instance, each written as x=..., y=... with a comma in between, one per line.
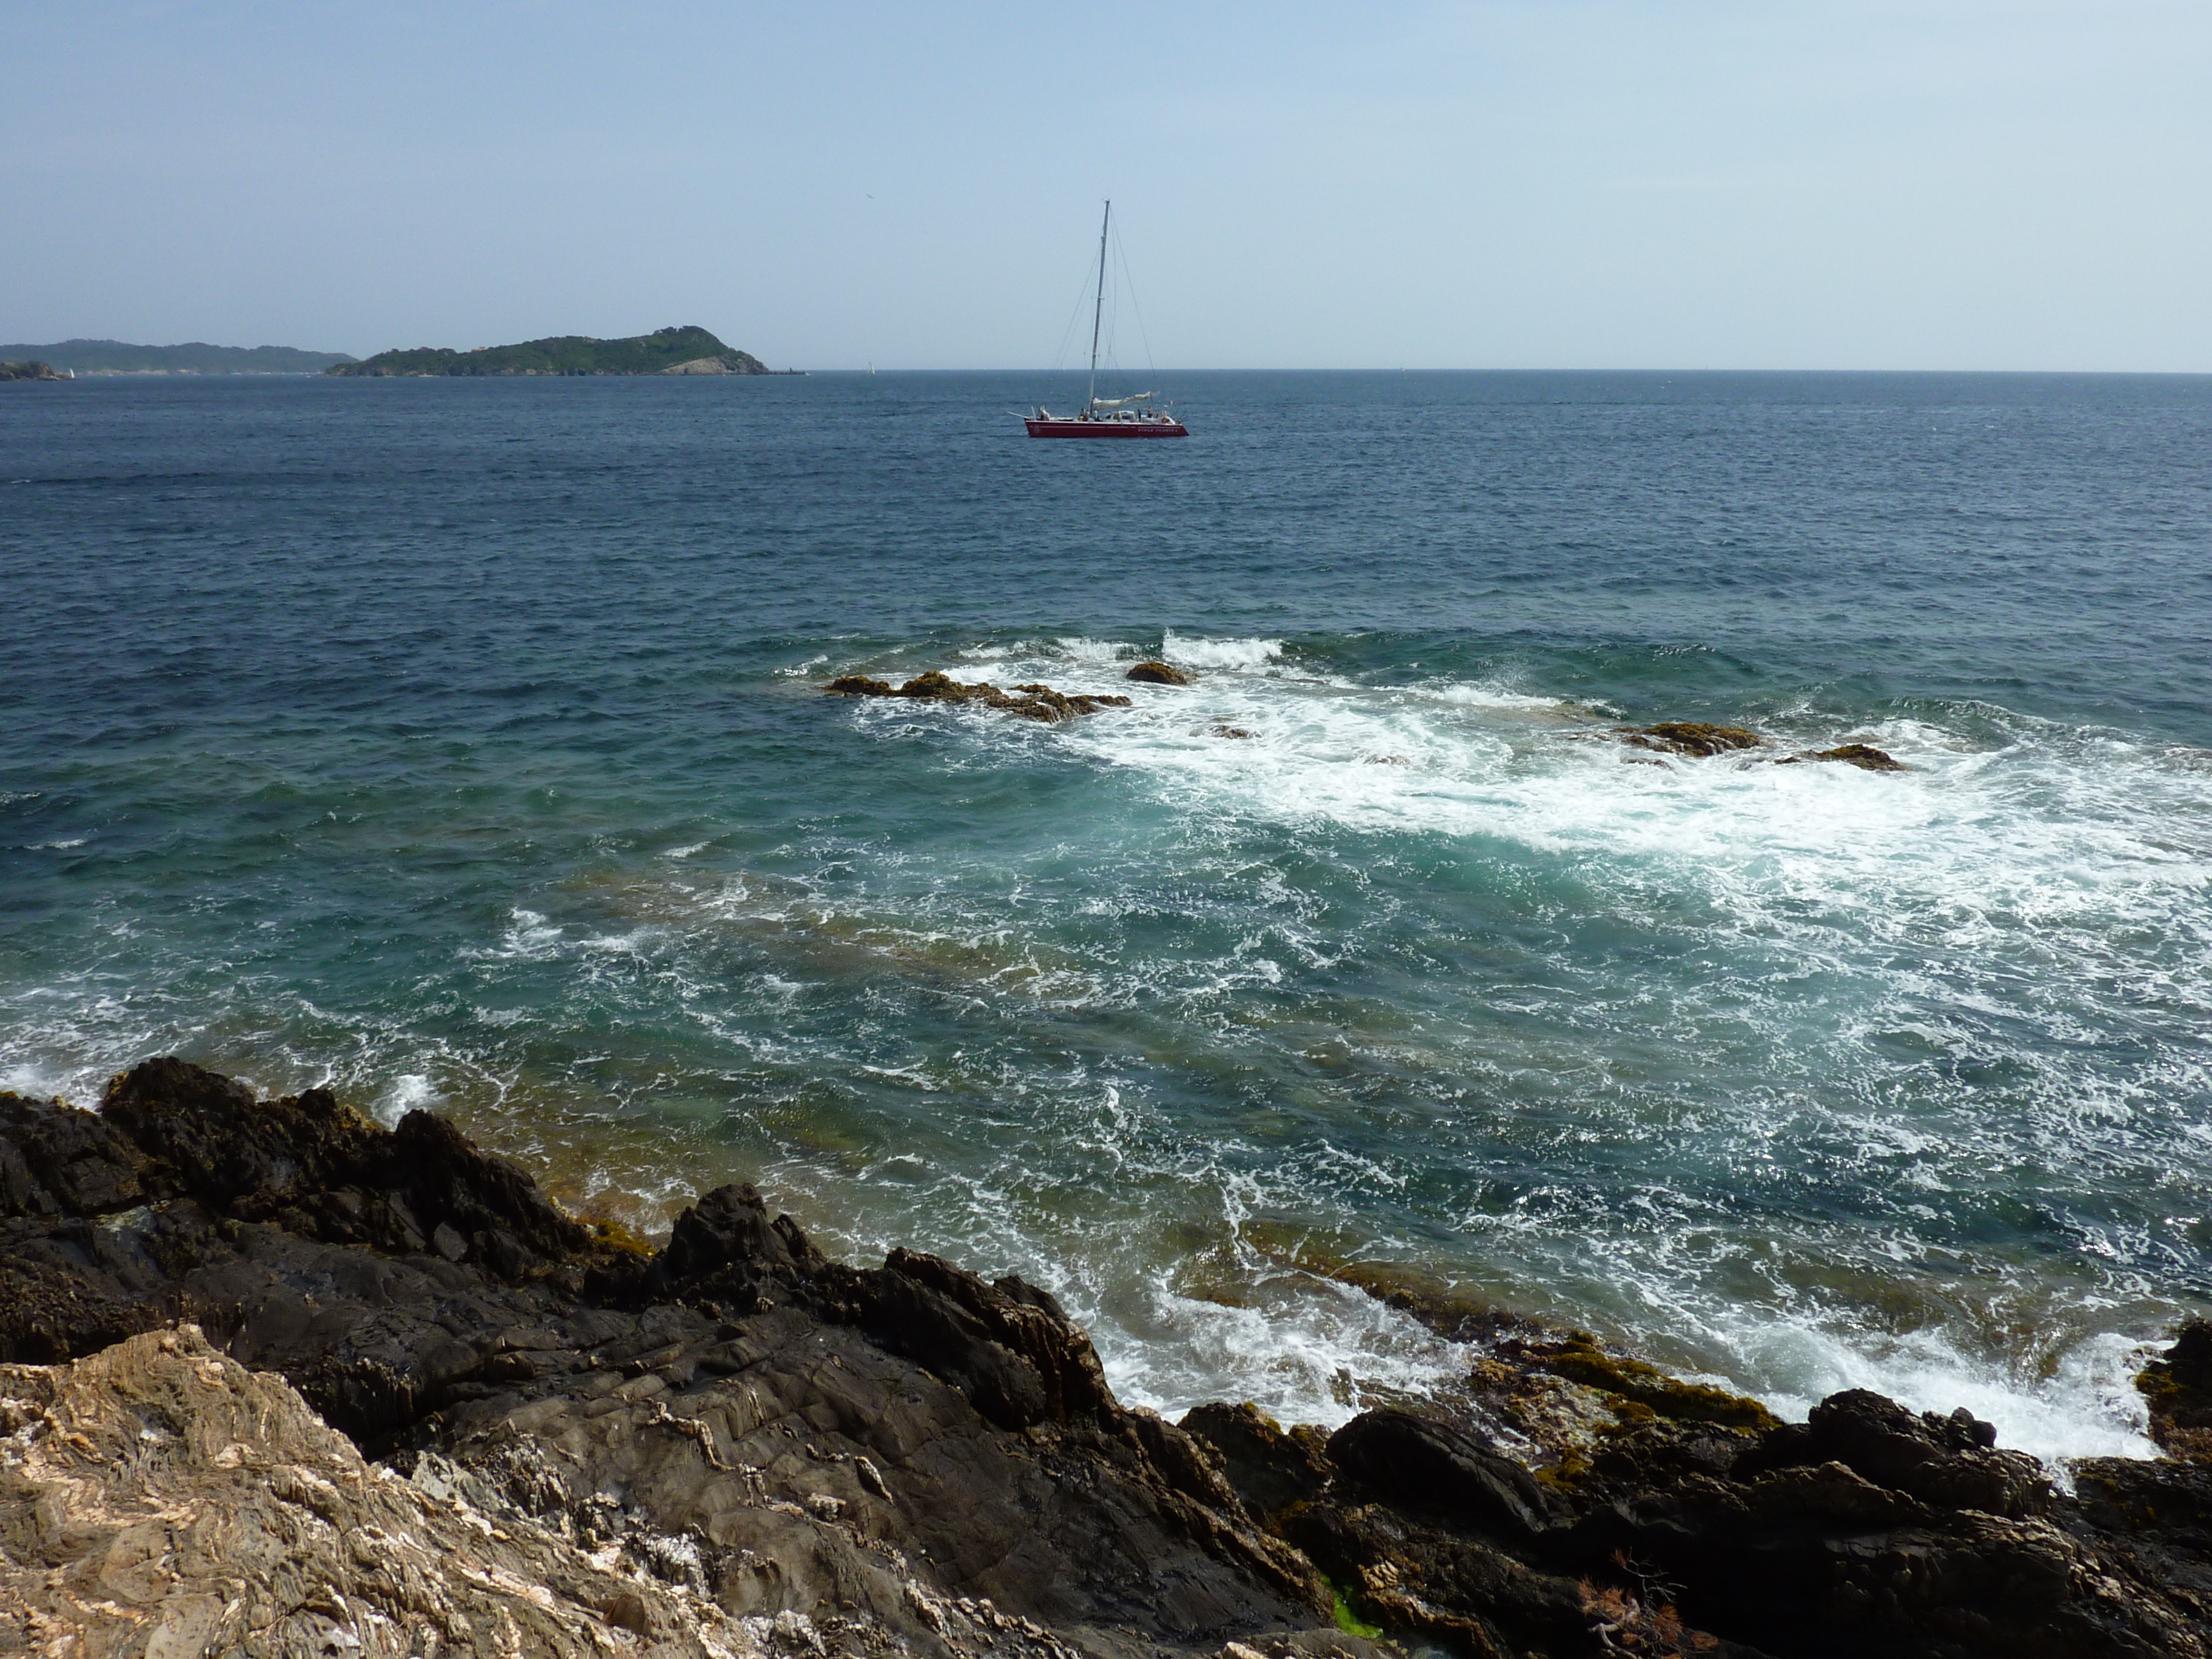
x=1646, y=1391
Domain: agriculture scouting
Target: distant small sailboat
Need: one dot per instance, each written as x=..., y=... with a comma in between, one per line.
x=1105, y=418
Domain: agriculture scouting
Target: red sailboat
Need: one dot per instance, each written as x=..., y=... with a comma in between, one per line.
x=1132, y=416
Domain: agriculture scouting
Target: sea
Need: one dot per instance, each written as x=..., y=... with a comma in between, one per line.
x=462, y=745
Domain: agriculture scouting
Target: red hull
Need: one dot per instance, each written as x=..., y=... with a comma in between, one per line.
x=1105, y=428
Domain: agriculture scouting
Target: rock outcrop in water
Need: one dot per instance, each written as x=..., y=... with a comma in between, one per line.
x=1699, y=740
x=1160, y=673
x=1695, y=738
x=1864, y=755
x=33, y=370
x=1033, y=703
x=734, y=1445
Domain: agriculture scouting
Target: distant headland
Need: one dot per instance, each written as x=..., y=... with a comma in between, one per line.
x=117, y=357
x=664, y=351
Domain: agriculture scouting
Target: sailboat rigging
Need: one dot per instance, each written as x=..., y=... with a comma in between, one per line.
x=1130, y=417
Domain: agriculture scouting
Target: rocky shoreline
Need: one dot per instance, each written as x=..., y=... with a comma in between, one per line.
x=279, y=1379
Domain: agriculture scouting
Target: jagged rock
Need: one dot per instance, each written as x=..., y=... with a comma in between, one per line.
x=755, y=1408
x=858, y=685
x=56, y=1161
x=1437, y=1465
x=2177, y=1387
x=1689, y=737
x=763, y=1446
x=1271, y=1470
x=1160, y=673
x=1949, y=1461
x=726, y=1247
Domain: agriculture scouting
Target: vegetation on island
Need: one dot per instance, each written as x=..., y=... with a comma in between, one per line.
x=30, y=371
x=664, y=351
x=195, y=357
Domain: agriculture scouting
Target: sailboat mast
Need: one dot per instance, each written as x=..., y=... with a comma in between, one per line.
x=1098, y=307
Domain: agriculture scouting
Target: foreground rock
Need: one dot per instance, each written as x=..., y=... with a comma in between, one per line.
x=1033, y=702
x=1160, y=673
x=2177, y=1387
x=733, y=1443
x=161, y=1498
x=910, y=1457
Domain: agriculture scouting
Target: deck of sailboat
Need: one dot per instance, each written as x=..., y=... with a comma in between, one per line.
x=1043, y=425
x=1104, y=417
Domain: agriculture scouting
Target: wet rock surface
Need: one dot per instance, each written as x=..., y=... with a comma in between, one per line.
x=1864, y=755
x=733, y=1445
x=1699, y=740
x=2179, y=1387
x=1033, y=702
x=1693, y=737
x=1160, y=673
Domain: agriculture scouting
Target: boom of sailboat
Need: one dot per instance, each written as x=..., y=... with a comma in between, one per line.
x=1130, y=417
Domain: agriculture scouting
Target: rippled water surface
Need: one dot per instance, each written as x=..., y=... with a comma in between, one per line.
x=461, y=744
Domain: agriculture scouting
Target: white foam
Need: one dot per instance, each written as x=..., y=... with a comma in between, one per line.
x=1077, y=648
x=1196, y=651
x=34, y=1080
x=410, y=1091
x=528, y=937
x=1475, y=695
x=2088, y=1406
x=1303, y=1351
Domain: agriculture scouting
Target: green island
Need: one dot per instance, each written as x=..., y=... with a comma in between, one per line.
x=194, y=357
x=664, y=351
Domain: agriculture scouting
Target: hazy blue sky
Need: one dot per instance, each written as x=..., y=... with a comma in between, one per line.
x=1514, y=183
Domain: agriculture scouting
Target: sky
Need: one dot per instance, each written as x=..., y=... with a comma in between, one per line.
x=1500, y=184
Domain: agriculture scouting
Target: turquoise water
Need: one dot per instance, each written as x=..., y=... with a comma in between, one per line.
x=460, y=745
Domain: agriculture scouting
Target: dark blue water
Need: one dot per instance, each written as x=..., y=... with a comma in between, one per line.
x=460, y=743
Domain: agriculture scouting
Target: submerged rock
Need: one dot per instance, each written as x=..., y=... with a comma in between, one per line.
x=1160, y=673
x=1036, y=703
x=734, y=1445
